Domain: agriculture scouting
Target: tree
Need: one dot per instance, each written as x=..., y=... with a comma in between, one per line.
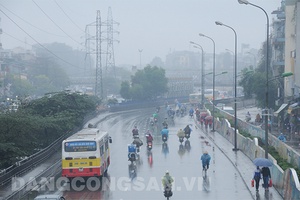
x=256, y=83
x=145, y=84
x=125, y=90
x=39, y=122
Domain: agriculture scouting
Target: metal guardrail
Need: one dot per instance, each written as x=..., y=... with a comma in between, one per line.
x=25, y=165
x=32, y=161
x=34, y=182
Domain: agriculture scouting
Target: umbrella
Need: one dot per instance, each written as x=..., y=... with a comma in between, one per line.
x=203, y=114
x=263, y=162
x=209, y=117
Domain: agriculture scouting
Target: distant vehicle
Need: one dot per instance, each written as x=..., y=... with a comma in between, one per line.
x=86, y=154
x=220, y=106
x=208, y=94
x=228, y=109
x=49, y=197
x=195, y=99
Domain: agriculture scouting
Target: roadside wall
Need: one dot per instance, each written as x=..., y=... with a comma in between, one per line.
x=285, y=151
x=285, y=182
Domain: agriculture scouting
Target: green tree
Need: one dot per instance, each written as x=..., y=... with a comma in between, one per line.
x=38, y=123
x=125, y=90
x=146, y=84
x=20, y=87
x=255, y=84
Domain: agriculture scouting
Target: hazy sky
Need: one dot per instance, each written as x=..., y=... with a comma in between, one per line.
x=158, y=27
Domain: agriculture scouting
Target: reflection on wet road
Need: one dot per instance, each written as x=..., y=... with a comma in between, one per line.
x=142, y=180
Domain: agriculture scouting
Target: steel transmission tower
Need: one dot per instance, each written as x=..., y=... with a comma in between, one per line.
x=110, y=57
x=97, y=52
x=99, y=82
x=110, y=60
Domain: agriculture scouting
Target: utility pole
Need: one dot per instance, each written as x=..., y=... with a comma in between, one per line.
x=140, y=50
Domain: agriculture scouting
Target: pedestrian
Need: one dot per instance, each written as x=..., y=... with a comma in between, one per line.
x=266, y=174
x=257, y=177
x=281, y=137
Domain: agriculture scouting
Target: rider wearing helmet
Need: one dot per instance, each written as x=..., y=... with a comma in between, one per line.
x=135, y=131
x=137, y=141
x=205, y=160
x=149, y=137
x=167, y=180
x=165, y=123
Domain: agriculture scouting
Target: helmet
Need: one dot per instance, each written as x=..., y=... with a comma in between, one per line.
x=167, y=172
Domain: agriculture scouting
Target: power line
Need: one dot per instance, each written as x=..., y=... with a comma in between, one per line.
x=56, y=24
x=16, y=38
x=37, y=41
x=68, y=16
x=30, y=23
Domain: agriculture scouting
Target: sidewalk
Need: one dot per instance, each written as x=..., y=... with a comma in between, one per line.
x=244, y=166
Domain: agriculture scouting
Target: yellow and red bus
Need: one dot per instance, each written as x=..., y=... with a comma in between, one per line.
x=86, y=153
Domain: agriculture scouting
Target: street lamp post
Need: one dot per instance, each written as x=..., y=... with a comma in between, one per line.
x=235, y=85
x=140, y=50
x=202, y=72
x=267, y=77
x=232, y=71
x=214, y=73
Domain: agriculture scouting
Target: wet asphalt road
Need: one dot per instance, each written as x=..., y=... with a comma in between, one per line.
x=183, y=163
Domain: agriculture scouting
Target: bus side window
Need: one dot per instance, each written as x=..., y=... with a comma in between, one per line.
x=101, y=150
x=106, y=145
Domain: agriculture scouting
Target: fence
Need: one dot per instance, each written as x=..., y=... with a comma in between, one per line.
x=286, y=182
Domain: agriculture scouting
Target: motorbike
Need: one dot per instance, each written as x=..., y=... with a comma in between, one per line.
x=132, y=153
x=132, y=170
x=149, y=146
x=187, y=135
x=164, y=137
x=181, y=139
x=168, y=192
x=132, y=156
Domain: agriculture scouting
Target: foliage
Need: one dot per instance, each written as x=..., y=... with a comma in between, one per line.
x=255, y=84
x=145, y=84
x=40, y=122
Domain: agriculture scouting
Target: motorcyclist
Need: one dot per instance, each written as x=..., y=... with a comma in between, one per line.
x=187, y=130
x=137, y=141
x=167, y=181
x=135, y=131
x=205, y=160
x=191, y=112
x=164, y=131
x=149, y=137
x=181, y=133
x=165, y=123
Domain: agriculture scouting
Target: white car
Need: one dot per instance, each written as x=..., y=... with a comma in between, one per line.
x=49, y=197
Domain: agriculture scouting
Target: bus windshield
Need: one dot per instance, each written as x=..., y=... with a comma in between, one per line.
x=80, y=146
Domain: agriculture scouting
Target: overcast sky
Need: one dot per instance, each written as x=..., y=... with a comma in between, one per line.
x=157, y=27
